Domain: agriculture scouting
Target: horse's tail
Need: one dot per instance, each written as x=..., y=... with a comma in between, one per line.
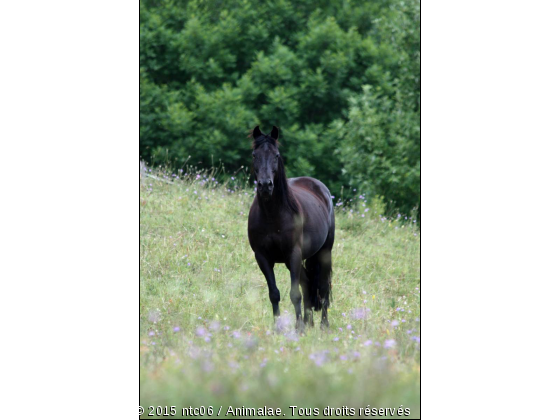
x=318, y=270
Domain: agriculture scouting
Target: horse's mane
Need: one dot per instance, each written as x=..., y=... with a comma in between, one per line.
x=262, y=139
x=283, y=190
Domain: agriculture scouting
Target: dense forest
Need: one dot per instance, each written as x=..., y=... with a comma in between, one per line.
x=340, y=78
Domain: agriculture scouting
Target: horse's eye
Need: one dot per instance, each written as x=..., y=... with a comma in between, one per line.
x=277, y=154
x=253, y=156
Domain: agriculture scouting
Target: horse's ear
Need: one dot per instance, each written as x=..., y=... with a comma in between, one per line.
x=256, y=132
x=274, y=132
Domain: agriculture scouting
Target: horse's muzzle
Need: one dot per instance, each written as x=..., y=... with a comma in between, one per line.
x=265, y=187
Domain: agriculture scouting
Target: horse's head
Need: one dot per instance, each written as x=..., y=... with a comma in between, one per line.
x=265, y=160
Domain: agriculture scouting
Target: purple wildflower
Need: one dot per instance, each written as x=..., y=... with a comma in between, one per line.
x=389, y=344
x=207, y=366
x=358, y=313
x=250, y=342
x=154, y=316
x=320, y=357
x=283, y=323
x=292, y=335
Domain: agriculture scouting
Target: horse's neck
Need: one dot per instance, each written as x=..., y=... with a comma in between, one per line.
x=273, y=207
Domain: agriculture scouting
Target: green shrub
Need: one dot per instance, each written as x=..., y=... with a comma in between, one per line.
x=340, y=78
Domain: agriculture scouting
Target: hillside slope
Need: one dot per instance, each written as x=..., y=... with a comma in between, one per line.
x=207, y=336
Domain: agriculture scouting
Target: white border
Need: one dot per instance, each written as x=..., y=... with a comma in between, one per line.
x=69, y=133
x=490, y=183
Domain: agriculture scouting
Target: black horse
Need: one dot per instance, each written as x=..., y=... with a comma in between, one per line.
x=291, y=220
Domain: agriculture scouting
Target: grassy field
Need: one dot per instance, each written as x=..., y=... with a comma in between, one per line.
x=207, y=335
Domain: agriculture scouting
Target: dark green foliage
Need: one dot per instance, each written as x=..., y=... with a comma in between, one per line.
x=340, y=78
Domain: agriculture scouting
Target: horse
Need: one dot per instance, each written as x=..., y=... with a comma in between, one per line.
x=291, y=221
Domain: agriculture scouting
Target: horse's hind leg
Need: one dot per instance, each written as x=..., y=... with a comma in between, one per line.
x=307, y=302
x=295, y=294
x=325, y=284
x=325, y=272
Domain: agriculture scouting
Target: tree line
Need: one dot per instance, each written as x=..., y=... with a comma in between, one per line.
x=341, y=79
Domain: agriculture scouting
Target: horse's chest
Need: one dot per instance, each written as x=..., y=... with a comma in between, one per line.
x=275, y=238
x=277, y=241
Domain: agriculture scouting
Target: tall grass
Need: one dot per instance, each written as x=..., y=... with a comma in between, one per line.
x=207, y=336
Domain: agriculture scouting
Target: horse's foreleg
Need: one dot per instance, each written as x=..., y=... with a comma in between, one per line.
x=295, y=293
x=267, y=268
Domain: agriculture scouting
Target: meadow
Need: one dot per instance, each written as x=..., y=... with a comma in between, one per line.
x=207, y=334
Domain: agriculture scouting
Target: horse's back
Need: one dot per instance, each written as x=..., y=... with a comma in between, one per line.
x=314, y=187
x=315, y=201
